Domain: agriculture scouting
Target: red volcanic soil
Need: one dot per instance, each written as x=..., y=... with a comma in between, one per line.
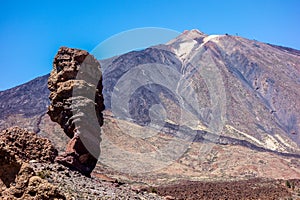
x=243, y=189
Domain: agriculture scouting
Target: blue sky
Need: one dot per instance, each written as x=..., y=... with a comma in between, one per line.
x=32, y=31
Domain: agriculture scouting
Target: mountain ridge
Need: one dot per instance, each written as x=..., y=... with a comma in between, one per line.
x=260, y=81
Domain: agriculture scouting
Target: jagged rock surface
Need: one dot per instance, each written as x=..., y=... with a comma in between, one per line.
x=75, y=85
x=27, y=145
x=31, y=175
x=17, y=177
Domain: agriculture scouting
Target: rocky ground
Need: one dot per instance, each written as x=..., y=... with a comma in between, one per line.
x=28, y=172
x=76, y=186
x=243, y=189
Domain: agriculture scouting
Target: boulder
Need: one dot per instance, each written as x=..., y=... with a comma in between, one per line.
x=17, y=178
x=27, y=145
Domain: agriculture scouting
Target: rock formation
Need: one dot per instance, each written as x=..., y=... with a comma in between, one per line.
x=17, y=179
x=27, y=145
x=75, y=85
x=27, y=173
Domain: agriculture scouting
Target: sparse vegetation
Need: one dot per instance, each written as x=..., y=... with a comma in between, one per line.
x=288, y=184
x=212, y=157
x=153, y=190
x=262, y=162
x=44, y=174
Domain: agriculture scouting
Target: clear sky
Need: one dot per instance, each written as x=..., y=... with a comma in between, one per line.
x=32, y=31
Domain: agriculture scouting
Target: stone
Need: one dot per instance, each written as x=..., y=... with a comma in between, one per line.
x=75, y=85
x=17, y=147
x=27, y=145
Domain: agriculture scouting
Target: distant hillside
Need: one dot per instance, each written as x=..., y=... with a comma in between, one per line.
x=28, y=99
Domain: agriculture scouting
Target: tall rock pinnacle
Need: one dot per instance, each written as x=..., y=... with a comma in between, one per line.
x=75, y=85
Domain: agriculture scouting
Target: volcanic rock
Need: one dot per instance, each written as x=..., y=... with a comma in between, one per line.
x=27, y=145
x=75, y=85
x=17, y=177
x=25, y=184
x=41, y=179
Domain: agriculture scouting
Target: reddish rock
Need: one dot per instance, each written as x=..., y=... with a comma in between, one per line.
x=75, y=85
x=27, y=145
x=17, y=178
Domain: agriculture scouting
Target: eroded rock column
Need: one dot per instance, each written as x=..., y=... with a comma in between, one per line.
x=75, y=85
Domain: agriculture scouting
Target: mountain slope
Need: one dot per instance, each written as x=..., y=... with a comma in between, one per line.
x=28, y=99
x=241, y=95
x=261, y=84
x=24, y=105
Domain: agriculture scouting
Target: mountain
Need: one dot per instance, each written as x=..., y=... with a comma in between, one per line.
x=261, y=84
x=223, y=106
x=27, y=102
